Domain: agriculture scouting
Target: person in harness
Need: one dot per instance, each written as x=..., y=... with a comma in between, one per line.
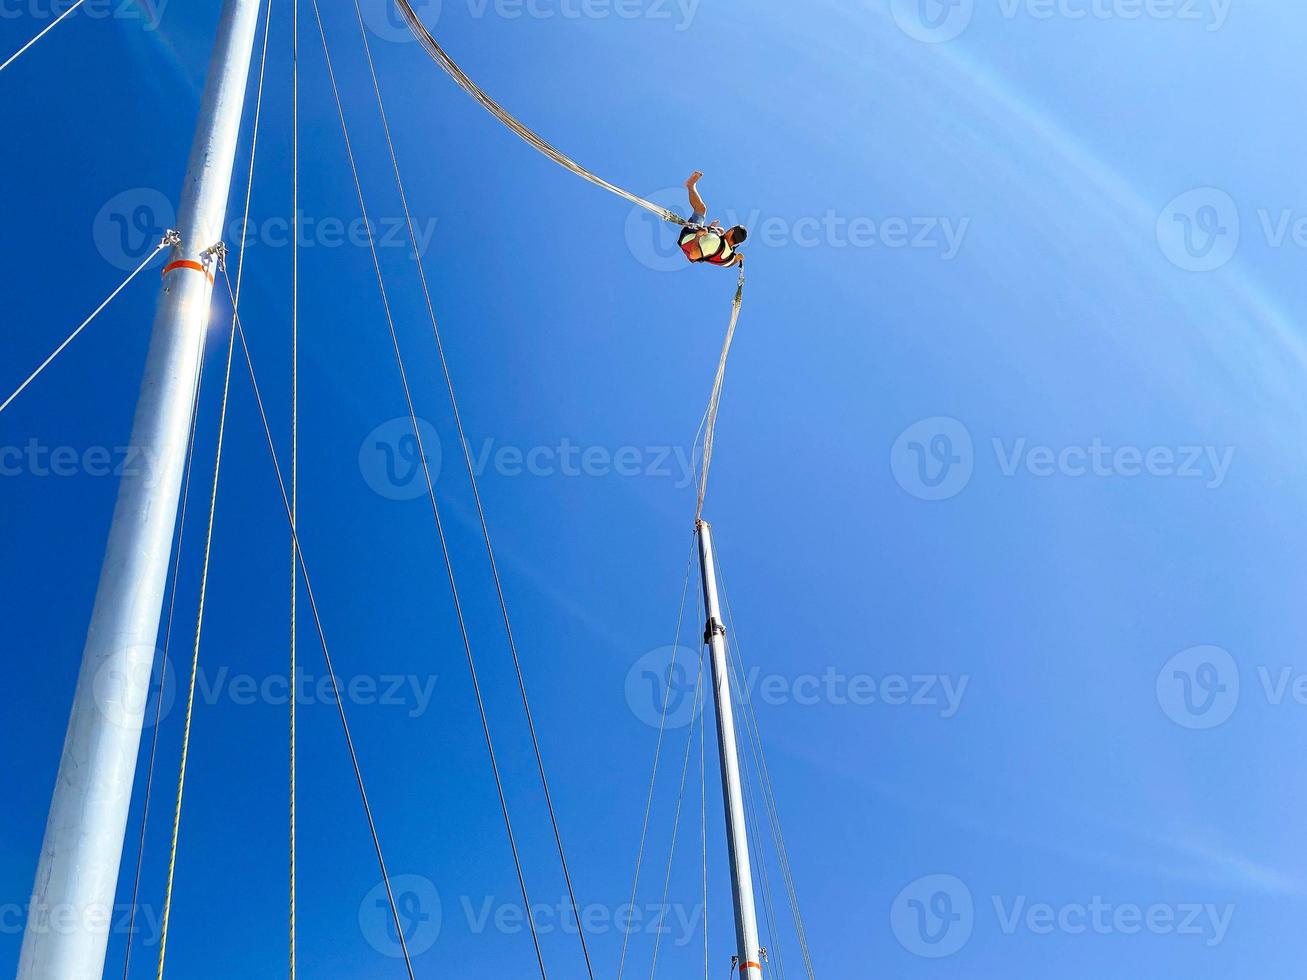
x=709, y=242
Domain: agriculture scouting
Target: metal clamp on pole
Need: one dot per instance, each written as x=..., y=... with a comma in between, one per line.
x=714, y=627
x=215, y=253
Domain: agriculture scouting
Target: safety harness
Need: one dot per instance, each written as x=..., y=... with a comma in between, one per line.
x=710, y=244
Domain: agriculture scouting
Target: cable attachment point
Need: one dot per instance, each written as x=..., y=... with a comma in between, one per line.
x=171, y=237
x=713, y=628
x=217, y=253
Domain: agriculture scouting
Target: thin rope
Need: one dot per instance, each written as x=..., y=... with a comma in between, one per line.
x=499, y=112
x=167, y=240
x=292, y=913
x=476, y=493
x=753, y=732
x=751, y=810
x=213, y=497
x=703, y=837
x=163, y=665
x=195, y=665
x=715, y=399
x=658, y=754
x=435, y=507
x=326, y=651
x=15, y=56
x=696, y=719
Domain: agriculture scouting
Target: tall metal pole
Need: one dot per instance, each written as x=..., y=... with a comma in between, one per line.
x=737, y=835
x=71, y=911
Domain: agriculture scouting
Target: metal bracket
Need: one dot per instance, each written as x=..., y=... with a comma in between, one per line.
x=217, y=252
x=713, y=628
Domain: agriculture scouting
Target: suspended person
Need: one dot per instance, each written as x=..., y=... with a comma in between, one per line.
x=709, y=242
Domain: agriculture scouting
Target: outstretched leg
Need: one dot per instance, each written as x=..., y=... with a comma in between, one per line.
x=697, y=204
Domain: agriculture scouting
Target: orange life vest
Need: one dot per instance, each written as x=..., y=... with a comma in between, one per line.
x=710, y=243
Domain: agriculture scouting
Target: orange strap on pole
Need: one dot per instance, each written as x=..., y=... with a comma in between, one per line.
x=187, y=264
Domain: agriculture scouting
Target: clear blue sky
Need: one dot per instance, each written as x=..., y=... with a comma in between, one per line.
x=1006, y=412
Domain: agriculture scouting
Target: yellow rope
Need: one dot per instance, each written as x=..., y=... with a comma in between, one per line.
x=213, y=507
x=195, y=666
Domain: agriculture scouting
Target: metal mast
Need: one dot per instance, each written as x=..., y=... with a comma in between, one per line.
x=737, y=836
x=71, y=910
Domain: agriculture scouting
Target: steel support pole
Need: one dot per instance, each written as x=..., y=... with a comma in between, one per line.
x=737, y=834
x=70, y=914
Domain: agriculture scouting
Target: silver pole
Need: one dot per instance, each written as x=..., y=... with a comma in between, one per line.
x=737, y=835
x=71, y=911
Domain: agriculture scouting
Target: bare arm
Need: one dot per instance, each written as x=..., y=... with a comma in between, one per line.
x=696, y=201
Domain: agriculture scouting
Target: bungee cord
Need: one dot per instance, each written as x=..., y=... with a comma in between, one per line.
x=438, y=54
x=709, y=423
x=290, y=502
x=464, y=81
